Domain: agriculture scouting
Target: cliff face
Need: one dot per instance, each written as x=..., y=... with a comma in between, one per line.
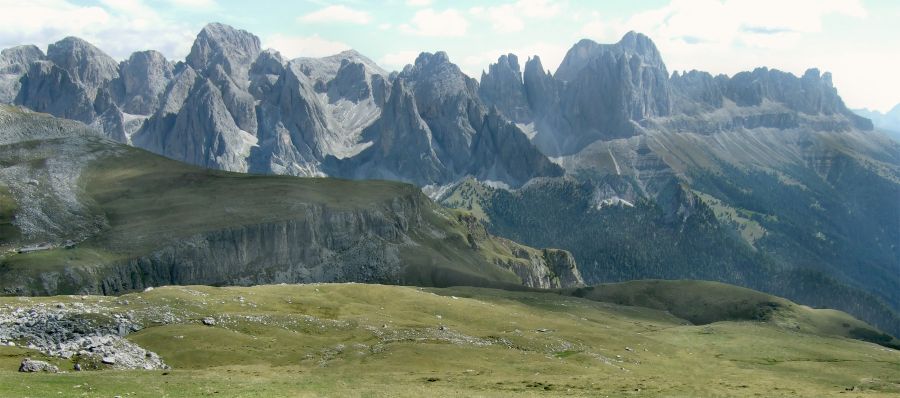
x=545, y=269
x=434, y=129
x=502, y=86
x=323, y=245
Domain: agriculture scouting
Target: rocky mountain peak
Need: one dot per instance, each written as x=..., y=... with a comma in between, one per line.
x=435, y=79
x=533, y=65
x=145, y=76
x=15, y=60
x=502, y=87
x=584, y=52
x=220, y=44
x=350, y=83
x=425, y=59
x=322, y=70
x=269, y=62
x=84, y=62
x=640, y=44
x=48, y=88
x=13, y=64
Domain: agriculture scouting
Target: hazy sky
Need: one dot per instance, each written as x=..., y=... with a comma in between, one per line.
x=856, y=40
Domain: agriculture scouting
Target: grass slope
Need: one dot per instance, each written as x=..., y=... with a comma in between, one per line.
x=374, y=340
x=136, y=202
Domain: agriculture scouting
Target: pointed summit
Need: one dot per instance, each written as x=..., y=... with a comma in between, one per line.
x=84, y=62
x=586, y=50
x=502, y=87
x=220, y=44
x=15, y=60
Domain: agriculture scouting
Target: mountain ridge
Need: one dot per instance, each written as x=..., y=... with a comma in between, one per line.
x=772, y=163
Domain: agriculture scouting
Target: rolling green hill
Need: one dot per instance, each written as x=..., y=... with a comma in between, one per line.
x=374, y=340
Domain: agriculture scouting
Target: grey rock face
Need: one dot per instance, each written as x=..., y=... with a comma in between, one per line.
x=403, y=147
x=221, y=45
x=85, y=63
x=144, y=78
x=812, y=94
x=155, y=131
x=51, y=89
x=240, y=104
x=13, y=64
x=109, y=119
x=562, y=264
x=234, y=107
x=264, y=72
x=74, y=82
x=447, y=100
x=541, y=89
x=206, y=115
x=350, y=83
x=434, y=130
x=598, y=92
x=15, y=60
x=501, y=152
x=698, y=87
x=293, y=127
x=503, y=87
x=587, y=51
x=616, y=86
x=204, y=133
x=321, y=70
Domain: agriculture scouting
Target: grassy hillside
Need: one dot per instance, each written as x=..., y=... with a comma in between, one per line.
x=137, y=219
x=373, y=340
x=704, y=302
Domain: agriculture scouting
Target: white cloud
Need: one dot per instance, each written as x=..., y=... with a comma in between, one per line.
x=428, y=22
x=337, y=13
x=685, y=23
x=198, y=4
x=118, y=27
x=304, y=46
x=511, y=17
x=134, y=8
x=418, y=3
x=397, y=60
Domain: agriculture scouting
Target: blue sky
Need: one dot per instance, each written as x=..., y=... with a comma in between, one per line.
x=854, y=39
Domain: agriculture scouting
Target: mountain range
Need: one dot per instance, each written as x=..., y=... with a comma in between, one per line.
x=763, y=179
x=888, y=122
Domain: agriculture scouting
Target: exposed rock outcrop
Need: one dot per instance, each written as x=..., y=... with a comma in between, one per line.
x=502, y=86
x=144, y=78
x=435, y=130
x=29, y=365
x=51, y=89
x=85, y=63
x=220, y=45
x=14, y=63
